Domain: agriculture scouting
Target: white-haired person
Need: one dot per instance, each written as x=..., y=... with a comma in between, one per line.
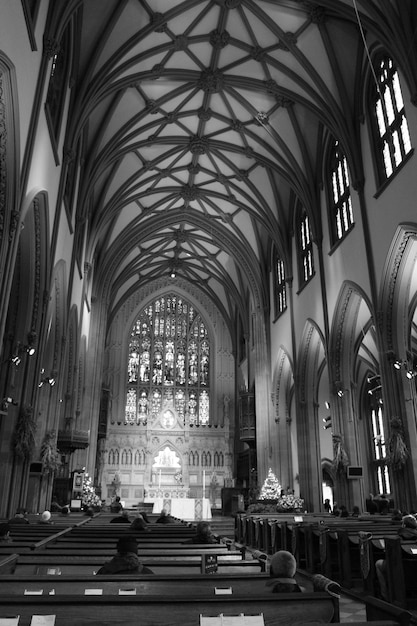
x=282, y=569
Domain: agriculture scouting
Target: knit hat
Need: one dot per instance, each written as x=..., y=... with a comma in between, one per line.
x=46, y=516
x=409, y=521
x=283, y=565
x=127, y=544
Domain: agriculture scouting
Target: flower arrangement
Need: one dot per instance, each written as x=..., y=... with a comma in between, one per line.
x=340, y=459
x=25, y=432
x=397, y=452
x=49, y=453
x=289, y=503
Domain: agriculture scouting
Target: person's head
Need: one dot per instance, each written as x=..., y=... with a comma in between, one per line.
x=127, y=544
x=283, y=565
x=163, y=513
x=125, y=514
x=117, y=499
x=203, y=528
x=46, y=516
x=409, y=521
x=4, y=531
x=355, y=510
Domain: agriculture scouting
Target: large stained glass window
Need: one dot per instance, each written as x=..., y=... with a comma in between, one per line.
x=168, y=363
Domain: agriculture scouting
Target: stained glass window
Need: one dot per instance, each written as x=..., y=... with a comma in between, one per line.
x=389, y=122
x=341, y=218
x=280, y=291
x=168, y=363
x=305, y=247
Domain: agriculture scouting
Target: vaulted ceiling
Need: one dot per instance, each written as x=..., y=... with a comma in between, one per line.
x=202, y=124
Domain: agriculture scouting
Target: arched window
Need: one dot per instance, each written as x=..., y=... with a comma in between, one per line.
x=340, y=202
x=58, y=84
x=168, y=363
x=280, y=287
x=305, y=249
x=389, y=126
x=377, y=433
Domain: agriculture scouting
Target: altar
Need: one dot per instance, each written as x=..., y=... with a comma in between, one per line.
x=193, y=509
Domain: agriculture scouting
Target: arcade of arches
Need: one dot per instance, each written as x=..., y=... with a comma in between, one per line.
x=208, y=249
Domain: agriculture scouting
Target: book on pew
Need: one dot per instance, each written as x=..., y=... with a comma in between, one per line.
x=222, y=591
x=42, y=620
x=127, y=592
x=93, y=592
x=209, y=563
x=12, y=620
x=33, y=592
x=232, y=620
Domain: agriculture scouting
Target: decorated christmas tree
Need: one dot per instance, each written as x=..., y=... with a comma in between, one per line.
x=271, y=489
x=89, y=496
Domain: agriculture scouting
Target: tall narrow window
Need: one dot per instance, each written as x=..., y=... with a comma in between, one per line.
x=168, y=363
x=389, y=123
x=305, y=248
x=341, y=213
x=58, y=82
x=378, y=442
x=280, y=290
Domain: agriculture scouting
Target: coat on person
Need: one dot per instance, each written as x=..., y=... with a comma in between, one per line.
x=126, y=560
x=282, y=571
x=203, y=534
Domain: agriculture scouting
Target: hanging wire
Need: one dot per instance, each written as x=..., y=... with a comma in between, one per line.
x=366, y=49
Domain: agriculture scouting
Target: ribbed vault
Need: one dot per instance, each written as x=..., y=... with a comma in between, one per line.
x=202, y=125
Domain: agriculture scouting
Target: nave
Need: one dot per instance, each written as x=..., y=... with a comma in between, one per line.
x=40, y=576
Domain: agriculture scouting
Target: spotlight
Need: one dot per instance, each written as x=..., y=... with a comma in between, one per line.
x=398, y=364
x=340, y=393
x=327, y=422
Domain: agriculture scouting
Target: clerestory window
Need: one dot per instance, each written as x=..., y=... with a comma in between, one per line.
x=305, y=249
x=168, y=363
x=388, y=120
x=340, y=201
x=280, y=290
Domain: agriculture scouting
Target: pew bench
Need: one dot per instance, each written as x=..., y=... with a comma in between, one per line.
x=50, y=564
x=129, y=610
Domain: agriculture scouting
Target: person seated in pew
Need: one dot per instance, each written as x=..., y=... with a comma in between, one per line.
x=165, y=518
x=116, y=506
x=371, y=505
x=5, y=533
x=408, y=530
x=282, y=570
x=126, y=560
x=121, y=519
x=143, y=513
x=20, y=517
x=139, y=523
x=203, y=534
x=45, y=518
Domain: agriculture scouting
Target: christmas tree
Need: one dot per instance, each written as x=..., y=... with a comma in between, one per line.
x=89, y=496
x=271, y=489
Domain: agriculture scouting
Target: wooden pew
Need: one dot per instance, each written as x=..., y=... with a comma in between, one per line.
x=401, y=559
x=129, y=610
x=53, y=564
x=144, y=584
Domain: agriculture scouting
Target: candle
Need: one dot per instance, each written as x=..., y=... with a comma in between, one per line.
x=204, y=483
x=159, y=478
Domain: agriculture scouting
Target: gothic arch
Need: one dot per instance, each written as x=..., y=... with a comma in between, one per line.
x=311, y=363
